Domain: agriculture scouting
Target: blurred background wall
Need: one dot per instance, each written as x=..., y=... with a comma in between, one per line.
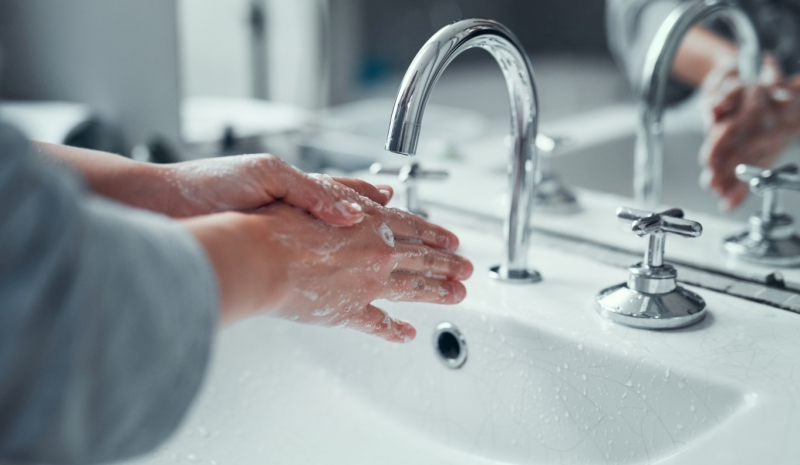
x=118, y=56
x=136, y=63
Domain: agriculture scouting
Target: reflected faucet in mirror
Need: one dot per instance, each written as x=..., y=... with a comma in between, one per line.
x=648, y=166
x=770, y=238
x=412, y=97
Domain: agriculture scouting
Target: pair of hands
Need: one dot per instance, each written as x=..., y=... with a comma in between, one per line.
x=749, y=124
x=311, y=248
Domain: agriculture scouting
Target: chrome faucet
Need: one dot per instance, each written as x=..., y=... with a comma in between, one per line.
x=413, y=95
x=658, y=63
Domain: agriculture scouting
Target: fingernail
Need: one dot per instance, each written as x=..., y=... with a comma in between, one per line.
x=459, y=292
x=385, y=193
x=409, y=334
x=466, y=270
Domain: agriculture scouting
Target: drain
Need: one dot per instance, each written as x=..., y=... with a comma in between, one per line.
x=450, y=345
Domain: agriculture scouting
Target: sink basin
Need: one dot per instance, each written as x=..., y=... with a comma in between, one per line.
x=546, y=381
x=527, y=395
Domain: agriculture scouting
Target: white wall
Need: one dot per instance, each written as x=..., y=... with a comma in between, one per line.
x=312, y=49
x=215, y=47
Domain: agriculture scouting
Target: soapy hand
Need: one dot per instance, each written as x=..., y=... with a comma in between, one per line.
x=247, y=182
x=283, y=262
x=747, y=124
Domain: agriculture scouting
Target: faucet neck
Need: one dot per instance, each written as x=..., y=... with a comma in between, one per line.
x=412, y=97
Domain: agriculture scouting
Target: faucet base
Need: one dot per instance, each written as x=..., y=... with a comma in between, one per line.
x=514, y=276
x=784, y=252
x=675, y=309
x=553, y=197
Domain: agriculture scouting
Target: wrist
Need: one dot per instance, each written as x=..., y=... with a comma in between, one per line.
x=236, y=245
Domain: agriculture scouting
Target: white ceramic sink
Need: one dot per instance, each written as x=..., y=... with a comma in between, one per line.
x=546, y=381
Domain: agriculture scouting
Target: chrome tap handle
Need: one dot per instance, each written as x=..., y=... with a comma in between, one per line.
x=409, y=175
x=769, y=183
x=656, y=225
x=760, y=179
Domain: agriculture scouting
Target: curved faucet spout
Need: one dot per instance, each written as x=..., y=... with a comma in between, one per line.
x=412, y=97
x=657, y=67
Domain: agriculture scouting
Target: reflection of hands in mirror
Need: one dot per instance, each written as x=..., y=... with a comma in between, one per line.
x=247, y=182
x=749, y=124
x=283, y=262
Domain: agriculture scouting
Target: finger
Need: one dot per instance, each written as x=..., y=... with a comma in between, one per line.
x=375, y=321
x=405, y=287
x=381, y=194
x=737, y=195
x=729, y=103
x=770, y=71
x=409, y=226
x=424, y=260
x=321, y=196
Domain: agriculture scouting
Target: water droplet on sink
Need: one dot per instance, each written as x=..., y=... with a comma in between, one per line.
x=558, y=369
x=629, y=383
x=580, y=347
x=681, y=385
x=691, y=408
x=192, y=458
x=566, y=366
x=583, y=377
x=679, y=426
x=667, y=373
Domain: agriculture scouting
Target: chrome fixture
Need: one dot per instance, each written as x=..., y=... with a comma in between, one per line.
x=422, y=74
x=450, y=345
x=409, y=175
x=652, y=299
x=770, y=238
x=648, y=168
x=552, y=195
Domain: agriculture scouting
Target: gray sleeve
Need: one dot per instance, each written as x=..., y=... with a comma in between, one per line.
x=106, y=318
x=630, y=27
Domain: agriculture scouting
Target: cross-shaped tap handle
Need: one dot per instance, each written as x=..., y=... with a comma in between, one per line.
x=769, y=183
x=656, y=225
x=762, y=180
x=409, y=175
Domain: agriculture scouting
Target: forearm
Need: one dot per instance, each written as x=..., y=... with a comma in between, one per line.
x=701, y=51
x=136, y=184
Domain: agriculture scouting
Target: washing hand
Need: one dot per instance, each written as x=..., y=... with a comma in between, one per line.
x=201, y=187
x=746, y=124
x=283, y=262
x=247, y=182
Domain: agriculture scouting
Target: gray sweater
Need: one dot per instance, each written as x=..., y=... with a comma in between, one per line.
x=106, y=318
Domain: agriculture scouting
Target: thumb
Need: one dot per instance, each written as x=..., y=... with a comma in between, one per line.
x=320, y=195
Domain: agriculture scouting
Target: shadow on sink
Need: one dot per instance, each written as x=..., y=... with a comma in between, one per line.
x=524, y=394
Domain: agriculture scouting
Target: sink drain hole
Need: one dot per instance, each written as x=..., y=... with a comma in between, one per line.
x=450, y=345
